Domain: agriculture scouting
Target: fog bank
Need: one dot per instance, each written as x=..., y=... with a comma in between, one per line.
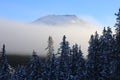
x=22, y=38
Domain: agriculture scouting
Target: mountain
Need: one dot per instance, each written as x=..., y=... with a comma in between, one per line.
x=58, y=19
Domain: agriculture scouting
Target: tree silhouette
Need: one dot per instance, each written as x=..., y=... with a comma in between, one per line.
x=117, y=37
x=50, y=49
x=4, y=66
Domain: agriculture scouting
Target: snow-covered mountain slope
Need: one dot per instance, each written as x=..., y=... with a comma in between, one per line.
x=58, y=19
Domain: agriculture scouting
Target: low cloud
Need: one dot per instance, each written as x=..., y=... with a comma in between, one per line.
x=23, y=38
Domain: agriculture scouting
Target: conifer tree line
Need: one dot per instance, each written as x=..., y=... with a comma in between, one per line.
x=102, y=62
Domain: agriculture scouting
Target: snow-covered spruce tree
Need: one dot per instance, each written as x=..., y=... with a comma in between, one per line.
x=117, y=25
x=53, y=68
x=51, y=61
x=19, y=74
x=50, y=49
x=81, y=65
x=117, y=38
x=34, y=68
x=64, y=52
x=77, y=63
x=92, y=64
x=107, y=56
x=4, y=66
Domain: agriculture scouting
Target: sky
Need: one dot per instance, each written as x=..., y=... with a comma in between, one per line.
x=96, y=11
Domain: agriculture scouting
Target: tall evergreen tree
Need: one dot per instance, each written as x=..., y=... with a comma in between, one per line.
x=64, y=49
x=117, y=25
x=53, y=72
x=4, y=66
x=50, y=49
x=107, y=56
x=93, y=58
x=64, y=52
x=77, y=63
x=34, y=68
x=117, y=47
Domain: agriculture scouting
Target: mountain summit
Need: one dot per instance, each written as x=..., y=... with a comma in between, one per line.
x=58, y=19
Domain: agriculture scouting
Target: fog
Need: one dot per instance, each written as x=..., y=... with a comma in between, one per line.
x=22, y=38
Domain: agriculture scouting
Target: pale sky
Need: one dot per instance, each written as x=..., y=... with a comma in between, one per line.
x=96, y=11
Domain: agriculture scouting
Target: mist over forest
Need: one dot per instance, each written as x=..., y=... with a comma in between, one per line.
x=22, y=38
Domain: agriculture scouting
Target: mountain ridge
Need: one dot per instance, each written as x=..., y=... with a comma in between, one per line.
x=58, y=19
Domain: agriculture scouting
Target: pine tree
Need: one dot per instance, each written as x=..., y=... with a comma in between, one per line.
x=34, y=68
x=64, y=52
x=77, y=63
x=81, y=65
x=93, y=58
x=53, y=68
x=4, y=66
x=50, y=49
x=64, y=49
x=117, y=25
x=117, y=46
x=107, y=55
x=20, y=73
